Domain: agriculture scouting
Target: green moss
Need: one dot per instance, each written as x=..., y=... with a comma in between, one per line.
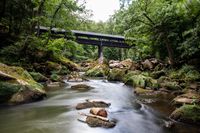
x=116, y=74
x=22, y=77
x=99, y=70
x=140, y=80
x=142, y=91
x=187, y=73
x=188, y=113
x=55, y=77
x=38, y=76
x=171, y=85
x=7, y=90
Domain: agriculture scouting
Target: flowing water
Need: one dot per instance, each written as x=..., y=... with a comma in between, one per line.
x=57, y=113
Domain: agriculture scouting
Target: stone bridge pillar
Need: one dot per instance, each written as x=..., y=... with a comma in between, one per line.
x=100, y=54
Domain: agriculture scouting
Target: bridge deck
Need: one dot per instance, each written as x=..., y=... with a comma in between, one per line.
x=91, y=38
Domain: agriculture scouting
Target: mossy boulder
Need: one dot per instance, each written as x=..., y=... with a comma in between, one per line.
x=15, y=80
x=142, y=91
x=66, y=62
x=116, y=74
x=187, y=113
x=59, y=69
x=81, y=87
x=140, y=80
x=38, y=77
x=100, y=70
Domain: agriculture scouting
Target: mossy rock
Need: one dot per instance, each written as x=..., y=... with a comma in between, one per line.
x=38, y=77
x=66, y=62
x=116, y=74
x=7, y=90
x=55, y=77
x=140, y=80
x=171, y=85
x=100, y=70
x=158, y=74
x=187, y=113
x=142, y=91
x=17, y=78
x=81, y=87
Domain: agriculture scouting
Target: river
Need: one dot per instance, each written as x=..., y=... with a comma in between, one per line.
x=57, y=113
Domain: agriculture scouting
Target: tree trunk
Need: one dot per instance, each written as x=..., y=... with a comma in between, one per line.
x=170, y=52
x=3, y=9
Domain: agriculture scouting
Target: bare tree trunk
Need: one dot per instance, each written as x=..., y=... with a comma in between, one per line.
x=170, y=52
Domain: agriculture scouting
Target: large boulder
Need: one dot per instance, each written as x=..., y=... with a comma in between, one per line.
x=125, y=64
x=187, y=113
x=17, y=85
x=116, y=74
x=100, y=70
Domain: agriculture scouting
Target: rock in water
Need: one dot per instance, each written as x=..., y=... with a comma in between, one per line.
x=96, y=122
x=80, y=87
x=91, y=104
x=99, y=111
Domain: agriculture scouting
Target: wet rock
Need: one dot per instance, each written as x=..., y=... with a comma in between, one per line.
x=26, y=95
x=187, y=114
x=188, y=98
x=75, y=77
x=115, y=64
x=147, y=64
x=91, y=104
x=81, y=87
x=99, y=111
x=169, y=124
x=96, y=122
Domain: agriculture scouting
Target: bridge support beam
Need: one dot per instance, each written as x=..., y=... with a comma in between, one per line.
x=100, y=54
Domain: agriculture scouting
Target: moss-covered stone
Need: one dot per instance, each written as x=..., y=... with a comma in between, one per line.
x=142, y=91
x=171, y=85
x=100, y=70
x=140, y=80
x=38, y=77
x=187, y=113
x=7, y=90
x=66, y=62
x=55, y=77
x=17, y=79
x=116, y=74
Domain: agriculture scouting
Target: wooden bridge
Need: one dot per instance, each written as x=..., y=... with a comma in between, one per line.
x=89, y=38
